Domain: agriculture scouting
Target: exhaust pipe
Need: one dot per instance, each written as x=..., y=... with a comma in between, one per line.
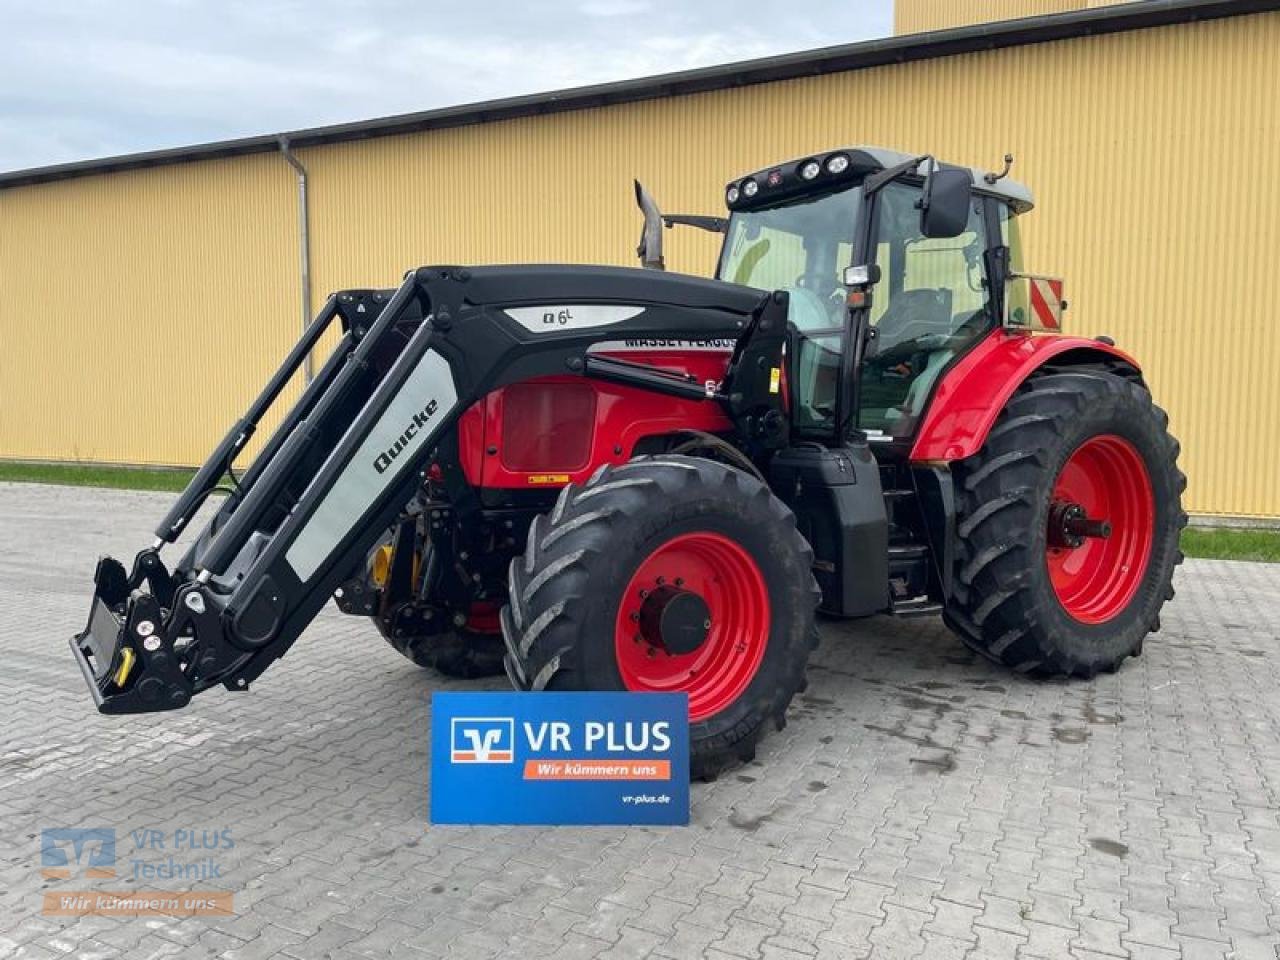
x=650, y=249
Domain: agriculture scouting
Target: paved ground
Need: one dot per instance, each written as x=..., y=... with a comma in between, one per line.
x=920, y=803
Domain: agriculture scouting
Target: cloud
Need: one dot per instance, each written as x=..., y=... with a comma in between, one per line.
x=94, y=77
x=479, y=66
x=614, y=8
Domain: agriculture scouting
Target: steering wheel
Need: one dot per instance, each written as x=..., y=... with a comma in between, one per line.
x=912, y=316
x=928, y=343
x=932, y=341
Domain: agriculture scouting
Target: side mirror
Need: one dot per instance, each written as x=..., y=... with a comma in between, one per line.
x=948, y=191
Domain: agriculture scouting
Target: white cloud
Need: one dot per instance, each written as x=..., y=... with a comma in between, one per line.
x=613, y=8
x=95, y=77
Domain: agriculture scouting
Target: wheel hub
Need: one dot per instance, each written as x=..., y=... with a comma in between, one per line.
x=1070, y=525
x=674, y=620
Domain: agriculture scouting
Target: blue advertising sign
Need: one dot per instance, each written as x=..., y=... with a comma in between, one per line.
x=560, y=758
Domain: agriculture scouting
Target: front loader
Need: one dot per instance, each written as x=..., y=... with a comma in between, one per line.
x=602, y=478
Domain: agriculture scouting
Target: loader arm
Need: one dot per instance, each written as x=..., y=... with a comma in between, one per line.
x=353, y=450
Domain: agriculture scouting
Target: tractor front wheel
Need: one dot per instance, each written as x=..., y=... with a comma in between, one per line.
x=669, y=574
x=464, y=654
x=1068, y=522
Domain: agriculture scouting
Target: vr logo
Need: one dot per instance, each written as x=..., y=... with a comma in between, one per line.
x=482, y=740
x=100, y=844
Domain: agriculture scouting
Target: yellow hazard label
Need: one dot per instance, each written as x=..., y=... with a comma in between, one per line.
x=539, y=479
x=775, y=379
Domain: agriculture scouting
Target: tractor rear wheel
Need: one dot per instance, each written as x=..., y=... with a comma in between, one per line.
x=669, y=574
x=1068, y=521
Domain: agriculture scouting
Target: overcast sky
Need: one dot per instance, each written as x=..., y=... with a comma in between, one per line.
x=93, y=78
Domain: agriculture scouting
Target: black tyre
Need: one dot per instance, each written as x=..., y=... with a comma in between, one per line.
x=1068, y=521
x=669, y=573
x=455, y=653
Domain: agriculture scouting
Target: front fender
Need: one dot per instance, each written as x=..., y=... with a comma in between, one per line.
x=972, y=393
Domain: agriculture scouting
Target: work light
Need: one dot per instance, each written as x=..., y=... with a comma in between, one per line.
x=750, y=188
x=810, y=169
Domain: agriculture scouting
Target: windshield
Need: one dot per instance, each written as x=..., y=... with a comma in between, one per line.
x=802, y=248
x=805, y=244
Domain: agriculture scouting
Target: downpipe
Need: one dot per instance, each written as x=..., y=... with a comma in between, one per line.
x=304, y=244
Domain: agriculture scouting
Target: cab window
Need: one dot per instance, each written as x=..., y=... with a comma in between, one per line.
x=931, y=303
x=802, y=248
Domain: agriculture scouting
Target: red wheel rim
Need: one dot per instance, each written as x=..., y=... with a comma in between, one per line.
x=1108, y=479
x=731, y=585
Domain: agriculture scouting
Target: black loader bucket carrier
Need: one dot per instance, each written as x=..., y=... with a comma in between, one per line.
x=350, y=454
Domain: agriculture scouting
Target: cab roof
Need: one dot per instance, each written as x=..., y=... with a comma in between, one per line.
x=784, y=180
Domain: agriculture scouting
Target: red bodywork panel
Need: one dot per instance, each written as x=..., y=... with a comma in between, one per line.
x=973, y=392
x=555, y=430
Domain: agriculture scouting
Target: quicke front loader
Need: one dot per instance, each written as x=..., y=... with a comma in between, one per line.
x=603, y=478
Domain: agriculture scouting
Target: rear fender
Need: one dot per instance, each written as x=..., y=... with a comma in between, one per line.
x=972, y=393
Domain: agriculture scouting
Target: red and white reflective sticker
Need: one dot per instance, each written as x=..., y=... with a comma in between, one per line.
x=1046, y=302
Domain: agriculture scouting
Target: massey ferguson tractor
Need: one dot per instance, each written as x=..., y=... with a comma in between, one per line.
x=604, y=478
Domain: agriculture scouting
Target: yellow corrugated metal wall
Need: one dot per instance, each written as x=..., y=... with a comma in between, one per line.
x=1152, y=155
x=921, y=16
x=140, y=311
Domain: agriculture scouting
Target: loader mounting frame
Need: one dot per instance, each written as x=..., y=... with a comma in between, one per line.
x=355, y=447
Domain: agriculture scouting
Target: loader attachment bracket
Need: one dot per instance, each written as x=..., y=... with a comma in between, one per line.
x=148, y=569
x=139, y=655
x=123, y=653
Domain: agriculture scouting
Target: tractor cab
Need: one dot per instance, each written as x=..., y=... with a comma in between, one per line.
x=894, y=266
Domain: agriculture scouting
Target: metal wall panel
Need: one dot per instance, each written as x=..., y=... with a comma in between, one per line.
x=1152, y=154
x=921, y=16
x=139, y=312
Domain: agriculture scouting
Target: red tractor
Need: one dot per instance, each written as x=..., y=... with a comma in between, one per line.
x=621, y=479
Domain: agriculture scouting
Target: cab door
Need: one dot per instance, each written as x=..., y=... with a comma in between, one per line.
x=931, y=303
